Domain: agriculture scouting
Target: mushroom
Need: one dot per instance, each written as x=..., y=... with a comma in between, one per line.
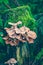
x=22, y=34
x=5, y=38
x=9, y=31
x=24, y=29
x=30, y=40
x=15, y=24
x=17, y=30
x=19, y=38
x=19, y=22
x=8, y=40
x=11, y=61
x=32, y=34
x=14, y=43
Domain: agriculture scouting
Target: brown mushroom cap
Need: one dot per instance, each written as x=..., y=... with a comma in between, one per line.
x=10, y=31
x=19, y=38
x=12, y=60
x=17, y=30
x=32, y=34
x=12, y=43
x=5, y=38
x=30, y=40
x=24, y=29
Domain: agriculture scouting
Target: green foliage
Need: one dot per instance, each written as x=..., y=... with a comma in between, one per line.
x=40, y=54
x=1, y=23
x=1, y=33
x=38, y=46
x=9, y=12
x=5, y=1
x=1, y=41
x=2, y=55
x=23, y=14
x=40, y=24
x=36, y=6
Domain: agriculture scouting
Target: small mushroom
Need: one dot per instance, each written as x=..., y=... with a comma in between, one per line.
x=9, y=31
x=9, y=41
x=24, y=29
x=11, y=61
x=19, y=22
x=5, y=38
x=20, y=38
x=17, y=30
x=32, y=34
x=14, y=43
x=15, y=24
x=30, y=40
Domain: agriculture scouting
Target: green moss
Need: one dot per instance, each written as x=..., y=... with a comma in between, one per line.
x=22, y=13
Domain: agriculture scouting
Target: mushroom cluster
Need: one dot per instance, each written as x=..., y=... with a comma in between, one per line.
x=15, y=34
x=11, y=61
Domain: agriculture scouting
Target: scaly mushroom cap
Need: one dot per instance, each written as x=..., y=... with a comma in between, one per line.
x=9, y=41
x=24, y=30
x=5, y=38
x=32, y=34
x=19, y=38
x=30, y=40
x=17, y=31
x=10, y=31
x=12, y=60
x=12, y=43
